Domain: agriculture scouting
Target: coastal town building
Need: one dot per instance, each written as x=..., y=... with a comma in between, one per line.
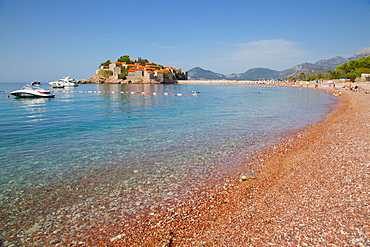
x=149, y=73
x=365, y=77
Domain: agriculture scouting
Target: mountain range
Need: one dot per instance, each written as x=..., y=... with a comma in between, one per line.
x=324, y=65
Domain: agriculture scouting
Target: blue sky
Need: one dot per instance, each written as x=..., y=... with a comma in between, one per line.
x=48, y=39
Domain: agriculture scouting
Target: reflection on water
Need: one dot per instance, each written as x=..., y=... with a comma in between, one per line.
x=32, y=105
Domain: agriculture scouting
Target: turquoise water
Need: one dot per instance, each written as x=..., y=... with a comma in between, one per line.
x=174, y=143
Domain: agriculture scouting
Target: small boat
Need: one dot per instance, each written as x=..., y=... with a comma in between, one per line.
x=64, y=82
x=32, y=90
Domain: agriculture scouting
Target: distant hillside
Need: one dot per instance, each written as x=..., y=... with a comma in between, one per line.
x=260, y=73
x=264, y=73
x=201, y=74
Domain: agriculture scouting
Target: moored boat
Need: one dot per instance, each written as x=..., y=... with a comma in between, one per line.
x=32, y=90
x=64, y=82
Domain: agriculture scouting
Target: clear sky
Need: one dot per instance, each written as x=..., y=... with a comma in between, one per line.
x=48, y=39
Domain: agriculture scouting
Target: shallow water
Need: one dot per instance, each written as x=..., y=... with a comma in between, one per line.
x=163, y=145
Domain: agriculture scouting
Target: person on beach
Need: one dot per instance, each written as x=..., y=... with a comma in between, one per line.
x=316, y=84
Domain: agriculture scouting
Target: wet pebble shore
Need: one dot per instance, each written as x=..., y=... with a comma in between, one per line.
x=311, y=190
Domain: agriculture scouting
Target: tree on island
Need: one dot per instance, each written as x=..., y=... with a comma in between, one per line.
x=124, y=73
x=125, y=59
x=106, y=63
x=142, y=61
x=105, y=73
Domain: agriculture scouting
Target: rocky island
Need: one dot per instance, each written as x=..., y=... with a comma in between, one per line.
x=140, y=71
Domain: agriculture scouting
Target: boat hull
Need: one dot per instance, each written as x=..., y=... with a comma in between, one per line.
x=25, y=94
x=64, y=82
x=56, y=85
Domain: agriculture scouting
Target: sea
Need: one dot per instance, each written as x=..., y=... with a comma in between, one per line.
x=146, y=143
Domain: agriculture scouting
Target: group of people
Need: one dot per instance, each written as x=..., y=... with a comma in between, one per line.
x=356, y=88
x=336, y=92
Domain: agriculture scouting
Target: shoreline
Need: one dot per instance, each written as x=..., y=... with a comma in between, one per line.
x=311, y=189
x=303, y=84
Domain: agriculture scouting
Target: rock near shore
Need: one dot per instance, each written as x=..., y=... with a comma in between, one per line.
x=96, y=79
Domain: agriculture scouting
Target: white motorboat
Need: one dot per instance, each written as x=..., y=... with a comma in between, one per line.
x=32, y=90
x=64, y=82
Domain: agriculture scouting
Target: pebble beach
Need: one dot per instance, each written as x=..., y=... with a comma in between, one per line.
x=311, y=190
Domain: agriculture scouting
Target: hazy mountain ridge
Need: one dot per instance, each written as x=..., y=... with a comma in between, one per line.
x=323, y=65
x=198, y=73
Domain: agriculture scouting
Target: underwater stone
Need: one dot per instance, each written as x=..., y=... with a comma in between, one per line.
x=248, y=177
x=31, y=230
